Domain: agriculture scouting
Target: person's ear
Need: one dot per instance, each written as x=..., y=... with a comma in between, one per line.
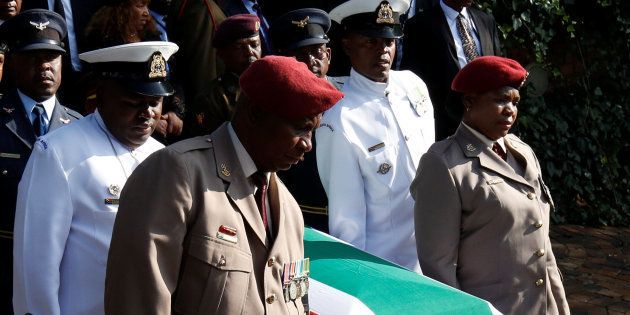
x=328, y=54
x=468, y=100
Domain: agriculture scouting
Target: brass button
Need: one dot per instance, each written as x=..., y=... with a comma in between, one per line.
x=538, y=224
x=271, y=261
x=271, y=298
x=5, y=172
x=222, y=261
x=540, y=252
x=540, y=282
x=531, y=196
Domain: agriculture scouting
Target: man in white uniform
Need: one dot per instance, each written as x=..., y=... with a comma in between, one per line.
x=369, y=144
x=68, y=195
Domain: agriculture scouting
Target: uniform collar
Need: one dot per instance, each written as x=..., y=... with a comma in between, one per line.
x=487, y=142
x=29, y=104
x=364, y=84
x=247, y=164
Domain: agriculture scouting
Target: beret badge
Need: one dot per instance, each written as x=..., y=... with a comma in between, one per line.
x=385, y=14
x=157, y=68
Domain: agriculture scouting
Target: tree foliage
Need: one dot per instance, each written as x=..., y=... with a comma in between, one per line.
x=579, y=128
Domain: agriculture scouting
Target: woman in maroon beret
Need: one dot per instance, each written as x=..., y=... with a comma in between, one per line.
x=482, y=208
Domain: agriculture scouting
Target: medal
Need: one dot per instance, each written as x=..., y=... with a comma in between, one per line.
x=292, y=290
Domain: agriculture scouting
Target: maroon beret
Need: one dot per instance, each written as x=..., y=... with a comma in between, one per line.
x=287, y=88
x=489, y=73
x=235, y=27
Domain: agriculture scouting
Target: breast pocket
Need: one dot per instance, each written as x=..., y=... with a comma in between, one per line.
x=215, y=278
x=380, y=168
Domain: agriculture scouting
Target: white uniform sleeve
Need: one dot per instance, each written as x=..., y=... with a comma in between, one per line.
x=341, y=177
x=42, y=223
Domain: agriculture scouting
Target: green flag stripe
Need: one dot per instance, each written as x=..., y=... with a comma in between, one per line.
x=383, y=286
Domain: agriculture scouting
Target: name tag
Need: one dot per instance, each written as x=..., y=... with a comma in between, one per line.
x=376, y=147
x=9, y=155
x=494, y=181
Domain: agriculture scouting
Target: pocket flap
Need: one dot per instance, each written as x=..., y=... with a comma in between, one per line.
x=218, y=255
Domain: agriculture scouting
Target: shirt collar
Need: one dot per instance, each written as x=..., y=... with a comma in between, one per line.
x=451, y=14
x=487, y=142
x=364, y=84
x=247, y=164
x=29, y=104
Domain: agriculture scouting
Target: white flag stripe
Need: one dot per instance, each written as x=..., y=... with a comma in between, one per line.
x=326, y=300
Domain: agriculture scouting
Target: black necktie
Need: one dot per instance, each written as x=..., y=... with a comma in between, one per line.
x=468, y=44
x=39, y=124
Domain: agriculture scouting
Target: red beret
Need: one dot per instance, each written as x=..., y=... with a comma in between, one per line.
x=489, y=73
x=236, y=27
x=287, y=88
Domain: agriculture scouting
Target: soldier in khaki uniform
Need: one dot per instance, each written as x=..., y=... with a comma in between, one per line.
x=198, y=233
x=482, y=208
x=237, y=42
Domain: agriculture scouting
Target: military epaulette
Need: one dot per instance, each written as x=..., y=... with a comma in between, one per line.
x=192, y=144
x=72, y=113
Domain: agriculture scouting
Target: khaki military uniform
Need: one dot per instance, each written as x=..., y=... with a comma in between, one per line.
x=211, y=109
x=169, y=252
x=482, y=224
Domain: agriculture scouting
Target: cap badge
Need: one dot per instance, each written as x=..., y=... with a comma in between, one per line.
x=41, y=25
x=384, y=168
x=257, y=26
x=157, y=67
x=8, y=110
x=385, y=14
x=301, y=23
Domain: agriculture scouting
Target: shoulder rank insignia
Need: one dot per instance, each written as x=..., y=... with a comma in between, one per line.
x=384, y=168
x=301, y=23
x=40, y=26
x=157, y=69
x=385, y=14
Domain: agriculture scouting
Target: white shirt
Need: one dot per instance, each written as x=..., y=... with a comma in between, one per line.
x=63, y=224
x=249, y=168
x=451, y=19
x=368, y=149
x=29, y=104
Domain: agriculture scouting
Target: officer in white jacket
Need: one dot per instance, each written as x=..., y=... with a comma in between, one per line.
x=370, y=143
x=68, y=195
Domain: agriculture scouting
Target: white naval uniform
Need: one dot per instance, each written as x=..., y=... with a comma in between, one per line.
x=63, y=225
x=368, y=149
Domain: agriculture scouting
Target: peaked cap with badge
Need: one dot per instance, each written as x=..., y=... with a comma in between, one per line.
x=236, y=27
x=35, y=29
x=140, y=67
x=373, y=18
x=299, y=28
